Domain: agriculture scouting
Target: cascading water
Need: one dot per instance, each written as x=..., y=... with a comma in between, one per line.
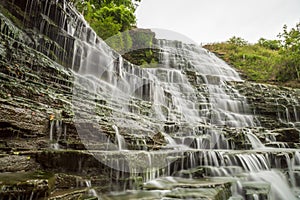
x=173, y=120
x=255, y=142
x=227, y=106
x=120, y=140
x=91, y=190
x=172, y=96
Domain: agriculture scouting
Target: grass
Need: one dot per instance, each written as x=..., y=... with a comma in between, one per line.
x=256, y=63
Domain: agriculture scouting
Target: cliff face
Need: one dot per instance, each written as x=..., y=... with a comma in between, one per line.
x=276, y=109
x=36, y=88
x=35, y=108
x=39, y=65
x=33, y=86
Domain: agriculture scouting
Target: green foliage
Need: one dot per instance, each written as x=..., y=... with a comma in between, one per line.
x=112, y=20
x=255, y=61
x=131, y=5
x=107, y=27
x=141, y=52
x=116, y=42
x=146, y=58
x=269, y=44
x=237, y=41
x=290, y=54
x=142, y=39
x=127, y=41
x=267, y=60
x=108, y=17
x=291, y=39
x=120, y=15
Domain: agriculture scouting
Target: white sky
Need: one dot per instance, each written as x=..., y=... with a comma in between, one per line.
x=217, y=20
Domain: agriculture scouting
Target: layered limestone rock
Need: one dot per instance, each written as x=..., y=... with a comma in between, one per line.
x=276, y=109
x=38, y=68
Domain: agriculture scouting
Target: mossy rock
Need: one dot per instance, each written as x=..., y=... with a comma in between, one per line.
x=26, y=185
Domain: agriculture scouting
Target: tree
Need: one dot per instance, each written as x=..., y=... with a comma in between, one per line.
x=269, y=44
x=132, y=5
x=120, y=14
x=108, y=17
x=238, y=41
x=291, y=39
x=290, y=54
x=106, y=27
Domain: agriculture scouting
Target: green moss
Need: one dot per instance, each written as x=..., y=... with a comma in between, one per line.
x=16, y=178
x=146, y=58
x=10, y=16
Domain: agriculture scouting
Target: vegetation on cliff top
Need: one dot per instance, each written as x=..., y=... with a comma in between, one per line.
x=266, y=60
x=108, y=17
x=112, y=20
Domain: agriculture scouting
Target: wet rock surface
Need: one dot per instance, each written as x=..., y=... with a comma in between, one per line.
x=179, y=188
x=26, y=185
x=274, y=106
x=39, y=129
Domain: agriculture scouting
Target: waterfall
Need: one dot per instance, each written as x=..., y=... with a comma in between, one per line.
x=54, y=129
x=184, y=122
x=91, y=191
x=169, y=139
x=255, y=142
x=119, y=138
x=279, y=186
x=142, y=102
x=51, y=131
x=227, y=106
x=185, y=103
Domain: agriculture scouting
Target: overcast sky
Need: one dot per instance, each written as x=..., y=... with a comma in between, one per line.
x=217, y=20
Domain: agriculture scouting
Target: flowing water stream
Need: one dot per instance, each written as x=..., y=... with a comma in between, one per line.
x=187, y=93
x=199, y=109
x=171, y=125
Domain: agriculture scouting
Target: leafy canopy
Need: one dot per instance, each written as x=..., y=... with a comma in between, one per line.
x=290, y=52
x=108, y=17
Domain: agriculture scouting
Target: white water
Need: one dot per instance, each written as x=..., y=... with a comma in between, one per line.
x=119, y=138
x=167, y=88
x=279, y=187
x=92, y=192
x=173, y=98
x=51, y=131
x=255, y=142
x=228, y=106
x=54, y=128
